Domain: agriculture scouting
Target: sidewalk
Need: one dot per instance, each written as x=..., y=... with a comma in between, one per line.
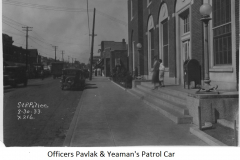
x=109, y=116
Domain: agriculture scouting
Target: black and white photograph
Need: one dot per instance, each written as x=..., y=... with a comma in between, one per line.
x=120, y=73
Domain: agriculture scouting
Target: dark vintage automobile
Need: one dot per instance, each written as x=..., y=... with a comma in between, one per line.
x=14, y=75
x=72, y=79
x=86, y=73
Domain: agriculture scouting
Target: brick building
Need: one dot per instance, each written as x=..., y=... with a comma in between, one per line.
x=172, y=31
x=33, y=56
x=107, y=48
x=7, y=47
x=118, y=58
x=14, y=55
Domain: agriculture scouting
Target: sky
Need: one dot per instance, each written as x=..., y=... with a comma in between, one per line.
x=64, y=23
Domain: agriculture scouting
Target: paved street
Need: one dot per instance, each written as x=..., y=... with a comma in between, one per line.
x=109, y=116
x=46, y=121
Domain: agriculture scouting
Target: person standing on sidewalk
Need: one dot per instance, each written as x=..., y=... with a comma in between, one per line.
x=155, y=75
x=161, y=73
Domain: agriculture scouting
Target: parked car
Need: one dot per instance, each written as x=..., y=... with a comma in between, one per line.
x=14, y=75
x=72, y=79
x=86, y=73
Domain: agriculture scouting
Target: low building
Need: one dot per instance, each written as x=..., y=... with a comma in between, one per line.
x=107, y=48
x=119, y=58
x=32, y=56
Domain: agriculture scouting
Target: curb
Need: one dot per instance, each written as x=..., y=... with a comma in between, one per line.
x=205, y=137
x=119, y=85
x=68, y=139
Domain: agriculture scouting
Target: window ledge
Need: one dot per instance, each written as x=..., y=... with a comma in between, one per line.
x=230, y=69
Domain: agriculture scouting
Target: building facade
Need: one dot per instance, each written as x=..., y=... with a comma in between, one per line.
x=172, y=31
x=14, y=55
x=118, y=58
x=105, y=52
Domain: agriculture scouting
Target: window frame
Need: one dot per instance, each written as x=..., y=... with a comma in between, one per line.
x=219, y=27
x=185, y=24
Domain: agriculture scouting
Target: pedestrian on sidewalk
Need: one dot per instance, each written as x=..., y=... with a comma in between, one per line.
x=155, y=75
x=161, y=73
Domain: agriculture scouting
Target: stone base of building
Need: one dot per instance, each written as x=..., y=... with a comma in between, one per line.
x=213, y=107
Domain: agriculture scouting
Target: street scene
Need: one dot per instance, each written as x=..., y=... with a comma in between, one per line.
x=117, y=73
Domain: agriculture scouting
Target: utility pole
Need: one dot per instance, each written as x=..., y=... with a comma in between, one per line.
x=68, y=59
x=62, y=56
x=27, y=29
x=55, y=47
x=91, y=57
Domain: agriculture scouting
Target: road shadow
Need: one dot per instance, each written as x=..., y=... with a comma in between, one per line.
x=90, y=86
x=77, y=89
x=32, y=85
x=7, y=89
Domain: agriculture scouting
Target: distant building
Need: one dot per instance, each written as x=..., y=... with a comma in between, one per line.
x=14, y=55
x=33, y=56
x=7, y=47
x=107, y=48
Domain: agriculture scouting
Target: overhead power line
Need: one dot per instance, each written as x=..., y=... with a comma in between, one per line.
x=88, y=26
x=17, y=23
x=39, y=44
x=111, y=18
x=24, y=33
x=54, y=8
x=12, y=26
x=45, y=7
x=13, y=33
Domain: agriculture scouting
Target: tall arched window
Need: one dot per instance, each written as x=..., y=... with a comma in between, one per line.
x=163, y=35
x=150, y=42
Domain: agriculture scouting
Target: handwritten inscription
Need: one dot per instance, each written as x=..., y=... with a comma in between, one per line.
x=28, y=109
x=31, y=105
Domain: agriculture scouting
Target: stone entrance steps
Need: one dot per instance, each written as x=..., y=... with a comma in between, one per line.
x=169, y=102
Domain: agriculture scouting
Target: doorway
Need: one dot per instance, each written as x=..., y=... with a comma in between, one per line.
x=185, y=55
